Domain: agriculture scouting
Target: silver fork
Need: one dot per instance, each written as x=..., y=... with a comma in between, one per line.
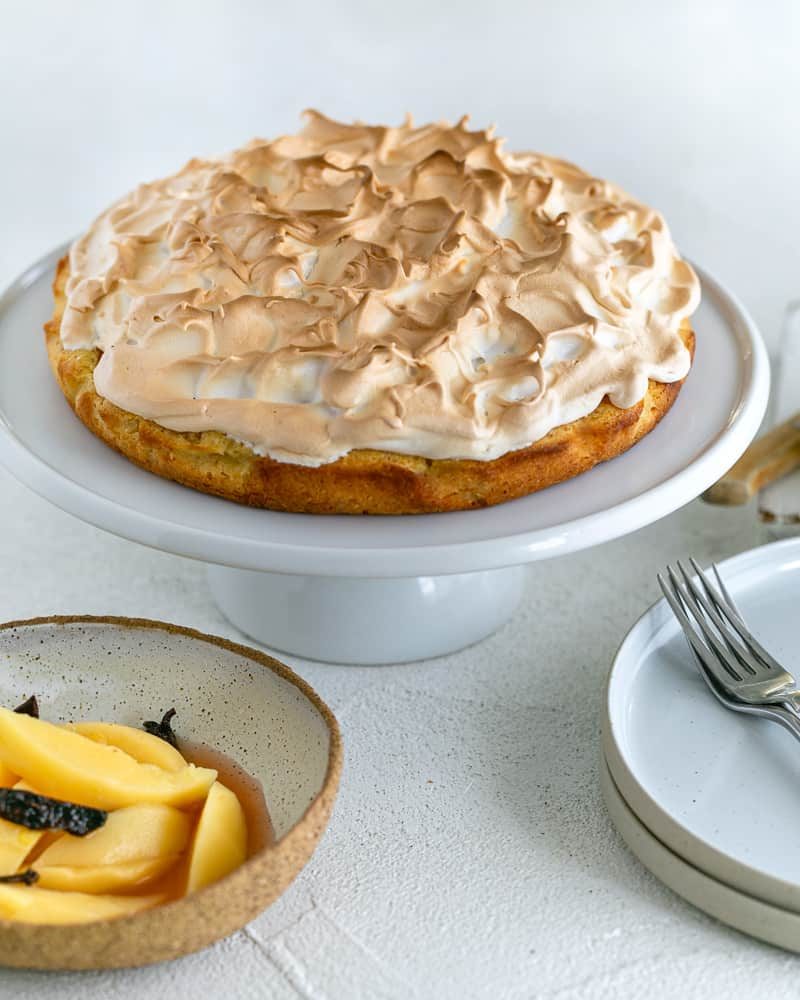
x=774, y=713
x=723, y=645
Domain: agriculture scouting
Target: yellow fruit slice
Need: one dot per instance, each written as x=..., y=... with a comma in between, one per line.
x=46, y=838
x=104, y=878
x=142, y=746
x=129, y=834
x=23, y=786
x=67, y=765
x=16, y=843
x=35, y=840
x=7, y=777
x=220, y=841
x=32, y=905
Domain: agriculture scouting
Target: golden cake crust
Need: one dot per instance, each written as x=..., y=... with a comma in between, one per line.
x=363, y=481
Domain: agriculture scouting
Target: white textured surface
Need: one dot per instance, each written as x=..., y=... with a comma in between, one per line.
x=469, y=853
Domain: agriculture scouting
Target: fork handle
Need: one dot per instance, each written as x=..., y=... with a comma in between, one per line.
x=767, y=459
x=787, y=719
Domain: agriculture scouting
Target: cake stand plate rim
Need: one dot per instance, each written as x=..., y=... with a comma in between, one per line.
x=407, y=548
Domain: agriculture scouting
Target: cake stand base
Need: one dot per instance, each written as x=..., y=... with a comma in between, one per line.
x=367, y=620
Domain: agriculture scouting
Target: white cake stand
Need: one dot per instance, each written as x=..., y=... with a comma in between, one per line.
x=376, y=589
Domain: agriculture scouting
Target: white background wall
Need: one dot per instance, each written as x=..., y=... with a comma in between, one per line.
x=693, y=106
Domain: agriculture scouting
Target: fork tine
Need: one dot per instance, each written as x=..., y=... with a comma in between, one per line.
x=722, y=588
x=701, y=651
x=708, y=634
x=732, y=615
x=742, y=654
x=721, y=599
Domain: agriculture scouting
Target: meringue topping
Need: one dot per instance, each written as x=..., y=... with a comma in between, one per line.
x=412, y=289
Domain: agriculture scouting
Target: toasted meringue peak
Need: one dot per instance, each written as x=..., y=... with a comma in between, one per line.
x=409, y=289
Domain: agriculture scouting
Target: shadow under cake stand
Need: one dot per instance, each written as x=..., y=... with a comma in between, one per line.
x=376, y=589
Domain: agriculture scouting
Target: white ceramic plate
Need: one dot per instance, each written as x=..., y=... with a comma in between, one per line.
x=716, y=416
x=752, y=916
x=717, y=788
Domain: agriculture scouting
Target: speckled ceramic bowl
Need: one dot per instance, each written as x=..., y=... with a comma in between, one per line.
x=235, y=699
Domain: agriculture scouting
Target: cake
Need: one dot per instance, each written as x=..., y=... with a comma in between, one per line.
x=367, y=319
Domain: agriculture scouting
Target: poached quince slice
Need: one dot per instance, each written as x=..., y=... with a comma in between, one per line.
x=7, y=777
x=66, y=765
x=140, y=745
x=127, y=876
x=220, y=840
x=32, y=905
x=129, y=834
x=16, y=843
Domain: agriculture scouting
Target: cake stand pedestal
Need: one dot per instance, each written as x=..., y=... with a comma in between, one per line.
x=366, y=620
x=377, y=589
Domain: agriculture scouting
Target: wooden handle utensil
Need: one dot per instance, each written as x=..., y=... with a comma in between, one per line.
x=767, y=459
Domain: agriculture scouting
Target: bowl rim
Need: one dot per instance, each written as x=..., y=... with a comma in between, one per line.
x=321, y=802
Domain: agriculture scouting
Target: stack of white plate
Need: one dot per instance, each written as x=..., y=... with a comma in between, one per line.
x=707, y=799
